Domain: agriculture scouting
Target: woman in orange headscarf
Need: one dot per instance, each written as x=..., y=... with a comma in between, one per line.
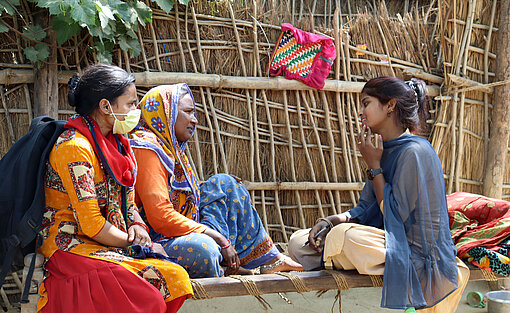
x=211, y=227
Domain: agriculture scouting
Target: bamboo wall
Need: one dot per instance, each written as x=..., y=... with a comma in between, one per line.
x=461, y=131
x=294, y=147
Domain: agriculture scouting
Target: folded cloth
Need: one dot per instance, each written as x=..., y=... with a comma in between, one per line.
x=143, y=252
x=301, y=55
x=480, y=228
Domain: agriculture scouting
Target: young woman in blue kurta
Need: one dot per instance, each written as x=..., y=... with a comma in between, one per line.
x=404, y=194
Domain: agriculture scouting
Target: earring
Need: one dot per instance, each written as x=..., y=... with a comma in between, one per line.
x=389, y=113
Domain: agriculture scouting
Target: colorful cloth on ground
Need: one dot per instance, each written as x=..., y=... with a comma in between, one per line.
x=80, y=198
x=120, y=165
x=224, y=206
x=304, y=56
x=480, y=228
x=420, y=266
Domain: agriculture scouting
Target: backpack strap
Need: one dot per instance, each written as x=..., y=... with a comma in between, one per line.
x=28, y=279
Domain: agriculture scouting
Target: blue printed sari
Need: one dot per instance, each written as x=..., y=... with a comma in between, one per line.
x=221, y=203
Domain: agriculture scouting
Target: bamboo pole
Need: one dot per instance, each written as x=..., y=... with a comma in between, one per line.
x=307, y=154
x=7, y=116
x=150, y=79
x=291, y=159
x=486, y=81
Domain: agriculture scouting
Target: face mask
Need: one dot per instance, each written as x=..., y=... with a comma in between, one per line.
x=128, y=124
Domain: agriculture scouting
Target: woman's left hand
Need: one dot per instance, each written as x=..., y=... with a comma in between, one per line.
x=137, y=235
x=371, y=154
x=231, y=260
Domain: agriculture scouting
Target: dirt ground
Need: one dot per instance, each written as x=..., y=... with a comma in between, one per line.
x=357, y=300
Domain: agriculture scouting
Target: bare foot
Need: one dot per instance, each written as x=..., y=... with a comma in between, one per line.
x=281, y=263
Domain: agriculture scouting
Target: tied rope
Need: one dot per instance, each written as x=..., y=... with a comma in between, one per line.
x=377, y=280
x=487, y=275
x=340, y=280
x=199, y=292
x=253, y=290
x=298, y=283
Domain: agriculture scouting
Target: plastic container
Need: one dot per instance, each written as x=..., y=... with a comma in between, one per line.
x=498, y=301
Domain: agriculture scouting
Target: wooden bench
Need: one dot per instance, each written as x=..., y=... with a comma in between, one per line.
x=258, y=285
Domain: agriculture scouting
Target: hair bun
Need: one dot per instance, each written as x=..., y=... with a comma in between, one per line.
x=73, y=85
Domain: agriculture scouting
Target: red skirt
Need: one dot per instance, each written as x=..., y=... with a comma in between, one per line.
x=79, y=284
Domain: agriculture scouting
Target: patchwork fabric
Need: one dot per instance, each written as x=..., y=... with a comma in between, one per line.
x=52, y=180
x=304, y=56
x=66, y=238
x=154, y=276
x=47, y=221
x=67, y=135
x=82, y=175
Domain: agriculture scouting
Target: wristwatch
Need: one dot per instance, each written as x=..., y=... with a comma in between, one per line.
x=372, y=173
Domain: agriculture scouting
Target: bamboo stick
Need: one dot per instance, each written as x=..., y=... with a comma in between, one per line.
x=29, y=102
x=486, y=80
x=144, y=56
x=466, y=42
x=150, y=79
x=307, y=154
x=319, y=144
x=7, y=116
x=179, y=43
x=155, y=43
x=291, y=159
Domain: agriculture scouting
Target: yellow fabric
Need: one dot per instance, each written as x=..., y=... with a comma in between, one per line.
x=80, y=198
x=352, y=246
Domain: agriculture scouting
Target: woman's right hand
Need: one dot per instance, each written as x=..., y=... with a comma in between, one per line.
x=230, y=260
x=317, y=241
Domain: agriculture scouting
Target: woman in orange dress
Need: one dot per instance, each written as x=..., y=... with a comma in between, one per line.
x=95, y=243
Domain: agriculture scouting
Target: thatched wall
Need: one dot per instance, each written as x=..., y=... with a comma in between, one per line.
x=246, y=131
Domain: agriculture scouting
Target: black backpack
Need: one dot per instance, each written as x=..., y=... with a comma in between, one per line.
x=22, y=194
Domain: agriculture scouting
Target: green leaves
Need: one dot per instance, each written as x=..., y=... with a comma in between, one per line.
x=8, y=6
x=3, y=28
x=65, y=27
x=39, y=52
x=34, y=32
x=165, y=5
x=109, y=22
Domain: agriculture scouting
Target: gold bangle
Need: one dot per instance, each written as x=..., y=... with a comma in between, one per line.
x=323, y=219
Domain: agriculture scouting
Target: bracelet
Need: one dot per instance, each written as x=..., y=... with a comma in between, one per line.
x=323, y=219
x=225, y=247
x=141, y=224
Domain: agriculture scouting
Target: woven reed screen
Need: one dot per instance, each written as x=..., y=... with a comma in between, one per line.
x=295, y=148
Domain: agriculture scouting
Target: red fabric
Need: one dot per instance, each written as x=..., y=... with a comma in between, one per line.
x=122, y=165
x=477, y=221
x=83, y=285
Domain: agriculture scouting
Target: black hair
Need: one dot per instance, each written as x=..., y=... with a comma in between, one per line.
x=410, y=97
x=97, y=82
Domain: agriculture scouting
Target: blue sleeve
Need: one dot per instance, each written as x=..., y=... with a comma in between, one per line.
x=367, y=211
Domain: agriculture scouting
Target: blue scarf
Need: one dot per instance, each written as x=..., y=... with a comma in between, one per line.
x=420, y=268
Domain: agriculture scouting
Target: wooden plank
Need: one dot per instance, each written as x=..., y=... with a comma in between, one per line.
x=302, y=186
x=313, y=280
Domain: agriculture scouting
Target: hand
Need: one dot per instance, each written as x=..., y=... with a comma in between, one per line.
x=371, y=154
x=231, y=260
x=317, y=241
x=137, y=235
x=157, y=248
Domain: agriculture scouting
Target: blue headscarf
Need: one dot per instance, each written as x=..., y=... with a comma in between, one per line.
x=420, y=268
